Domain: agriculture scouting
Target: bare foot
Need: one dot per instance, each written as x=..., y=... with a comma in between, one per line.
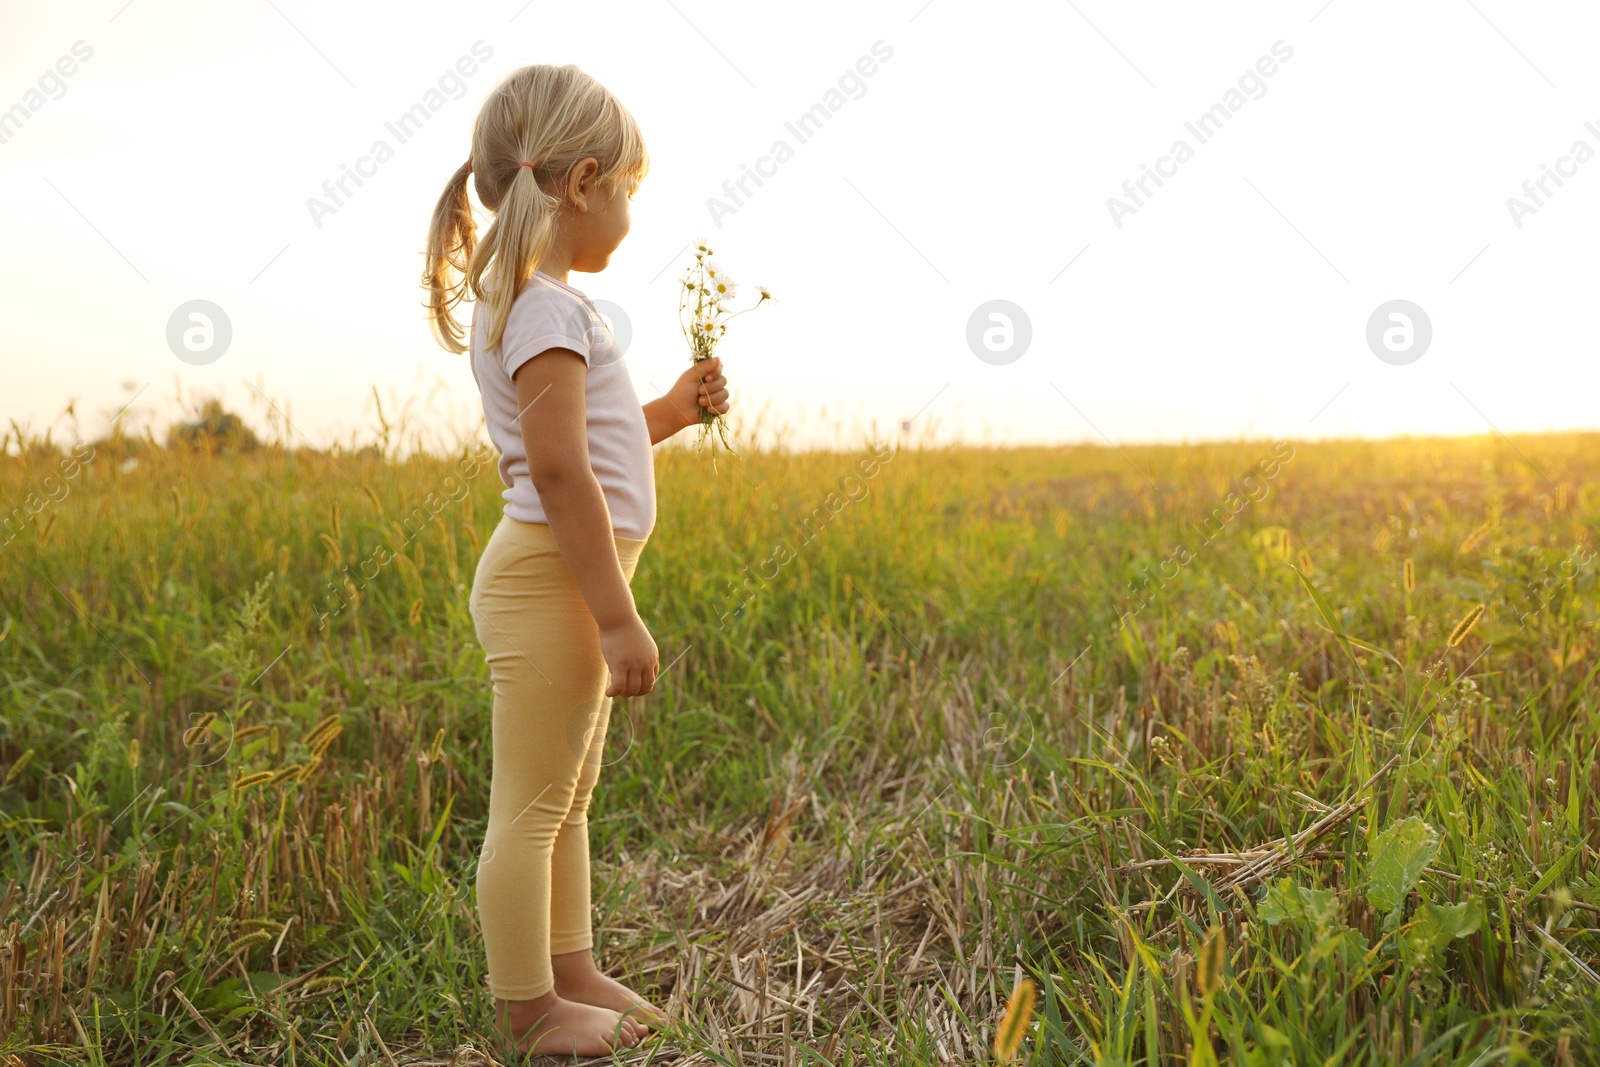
x=553, y=1025
x=577, y=978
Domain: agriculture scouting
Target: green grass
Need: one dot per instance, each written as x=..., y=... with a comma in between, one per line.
x=920, y=725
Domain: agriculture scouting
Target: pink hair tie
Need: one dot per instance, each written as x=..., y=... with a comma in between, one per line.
x=524, y=163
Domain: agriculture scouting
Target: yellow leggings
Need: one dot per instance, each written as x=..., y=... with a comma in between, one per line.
x=549, y=726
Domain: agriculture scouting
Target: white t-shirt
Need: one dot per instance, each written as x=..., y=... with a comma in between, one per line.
x=550, y=314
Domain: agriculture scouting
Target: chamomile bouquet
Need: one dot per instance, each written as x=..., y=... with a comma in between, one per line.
x=703, y=309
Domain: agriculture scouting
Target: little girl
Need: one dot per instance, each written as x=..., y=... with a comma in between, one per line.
x=556, y=158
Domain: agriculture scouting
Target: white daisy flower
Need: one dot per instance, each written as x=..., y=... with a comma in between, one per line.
x=722, y=287
x=766, y=294
x=702, y=247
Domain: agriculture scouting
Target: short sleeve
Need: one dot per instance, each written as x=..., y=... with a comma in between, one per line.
x=542, y=318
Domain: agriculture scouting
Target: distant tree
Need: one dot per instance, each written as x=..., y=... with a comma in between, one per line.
x=215, y=429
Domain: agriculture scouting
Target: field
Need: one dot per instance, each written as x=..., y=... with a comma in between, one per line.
x=1258, y=753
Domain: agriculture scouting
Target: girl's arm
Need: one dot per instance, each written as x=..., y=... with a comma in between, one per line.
x=557, y=443
x=665, y=418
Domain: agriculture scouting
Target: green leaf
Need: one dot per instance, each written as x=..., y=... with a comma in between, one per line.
x=1286, y=901
x=1326, y=612
x=1439, y=924
x=1554, y=872
x=266, y=981
x=1274, y=1038
x=1399, y=854
x=1281, y=903
x=224, y=995
x=1442, y=923
x=438, y=827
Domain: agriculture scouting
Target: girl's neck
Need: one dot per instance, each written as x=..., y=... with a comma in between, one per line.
x=559, y=279
x=554, y=270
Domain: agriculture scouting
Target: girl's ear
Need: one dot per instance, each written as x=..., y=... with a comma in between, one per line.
x=581, y=182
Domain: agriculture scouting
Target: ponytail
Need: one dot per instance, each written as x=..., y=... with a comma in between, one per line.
x=452, y=238
x=513, y=247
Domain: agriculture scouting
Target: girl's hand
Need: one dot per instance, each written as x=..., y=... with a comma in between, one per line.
x=630, y=653
x=701, y=386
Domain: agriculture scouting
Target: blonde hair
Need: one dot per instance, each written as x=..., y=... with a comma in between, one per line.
x=553, y=117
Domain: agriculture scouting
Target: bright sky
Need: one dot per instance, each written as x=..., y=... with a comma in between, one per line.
x=1359, y=153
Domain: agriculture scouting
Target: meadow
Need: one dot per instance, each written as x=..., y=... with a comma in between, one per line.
x=1256, y=753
